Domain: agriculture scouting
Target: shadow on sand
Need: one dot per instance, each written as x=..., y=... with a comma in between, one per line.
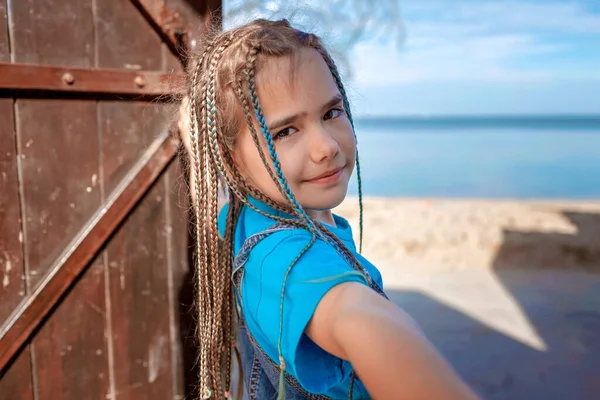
x=554, y=279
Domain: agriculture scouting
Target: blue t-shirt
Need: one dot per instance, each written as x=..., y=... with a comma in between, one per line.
x=315, y=369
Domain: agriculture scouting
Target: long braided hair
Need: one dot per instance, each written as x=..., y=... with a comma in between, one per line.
x=221, y=81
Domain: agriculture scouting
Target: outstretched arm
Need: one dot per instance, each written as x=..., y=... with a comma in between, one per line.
x=386, y=348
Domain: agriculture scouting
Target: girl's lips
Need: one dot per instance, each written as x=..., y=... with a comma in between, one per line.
x=328, y=177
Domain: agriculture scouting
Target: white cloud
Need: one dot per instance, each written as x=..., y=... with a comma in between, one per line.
x=472, y=59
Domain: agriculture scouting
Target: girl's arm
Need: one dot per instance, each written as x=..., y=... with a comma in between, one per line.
x=386, y=348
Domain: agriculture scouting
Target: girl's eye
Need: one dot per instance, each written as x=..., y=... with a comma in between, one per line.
x=333, y=113
x=284, y=133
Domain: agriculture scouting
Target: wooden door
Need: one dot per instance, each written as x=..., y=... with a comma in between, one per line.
x=95, y=291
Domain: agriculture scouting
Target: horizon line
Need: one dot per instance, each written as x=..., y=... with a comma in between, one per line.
x=477, y=116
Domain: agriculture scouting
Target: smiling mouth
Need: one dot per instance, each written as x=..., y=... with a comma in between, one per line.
x=328, y=177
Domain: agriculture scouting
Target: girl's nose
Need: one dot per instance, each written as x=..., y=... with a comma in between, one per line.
x=322, y=145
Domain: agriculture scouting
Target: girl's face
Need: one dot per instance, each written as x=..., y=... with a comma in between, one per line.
x=311, y=132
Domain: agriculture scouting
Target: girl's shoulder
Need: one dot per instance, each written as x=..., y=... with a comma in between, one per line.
x=288, y=264
x=251, y=222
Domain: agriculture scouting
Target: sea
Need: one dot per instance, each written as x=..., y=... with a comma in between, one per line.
x=524, y=157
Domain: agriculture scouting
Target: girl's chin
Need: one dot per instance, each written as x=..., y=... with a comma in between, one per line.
x=324, y=201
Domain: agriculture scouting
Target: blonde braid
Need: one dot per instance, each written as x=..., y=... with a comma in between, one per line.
x=202, y=290
x=235, y=206
x=215, y=268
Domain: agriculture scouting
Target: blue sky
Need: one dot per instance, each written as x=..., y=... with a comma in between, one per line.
x=482, y=57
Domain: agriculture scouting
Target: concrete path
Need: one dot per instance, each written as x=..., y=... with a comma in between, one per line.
x=511, y=334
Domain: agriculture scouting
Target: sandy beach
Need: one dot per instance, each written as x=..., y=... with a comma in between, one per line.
x=506, y=290
x=448, y=234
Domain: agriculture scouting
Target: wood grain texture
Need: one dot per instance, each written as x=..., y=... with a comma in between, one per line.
x=54, y=33
x=16, y=383
x=4, y=41
x=12, y=283
x=70, y=349
x=125, y=40
x=59, y=159
x=138, y=277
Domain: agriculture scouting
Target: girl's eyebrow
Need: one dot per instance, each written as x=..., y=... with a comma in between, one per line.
x=288, y=120
x=333, y=102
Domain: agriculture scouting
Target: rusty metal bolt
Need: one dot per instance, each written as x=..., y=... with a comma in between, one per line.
x=68, y=78
x=140, y=81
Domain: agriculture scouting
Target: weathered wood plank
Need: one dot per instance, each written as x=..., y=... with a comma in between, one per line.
x=59, y=158
x=184, y=373
x=136, y=255
x=55, y=33
x=182, y=287
x=16, y=382
x=127, y=131
x=4, y=43
x=141, y=331
x=60, y=185
x=71, y=349
x=125, y=40
x=138, y=276
x=11, y=248
x=30, y=77
x=167, y=23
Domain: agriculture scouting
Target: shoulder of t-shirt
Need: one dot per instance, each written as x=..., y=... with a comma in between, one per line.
x=284, y=240
x=284, y=246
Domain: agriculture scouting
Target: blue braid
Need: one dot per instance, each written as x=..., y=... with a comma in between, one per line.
x=340, y=85
x=267, y=135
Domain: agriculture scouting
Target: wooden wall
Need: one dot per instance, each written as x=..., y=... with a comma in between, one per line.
x=120, y=333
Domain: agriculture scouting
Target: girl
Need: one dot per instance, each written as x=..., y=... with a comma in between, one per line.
x=269, y=117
